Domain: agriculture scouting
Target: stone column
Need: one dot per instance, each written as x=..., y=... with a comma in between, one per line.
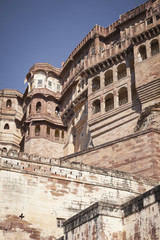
x=116, y=98
x=129, y=91
x=114, y=73
x=102, y=80
x=102, y=101
x=148, y=49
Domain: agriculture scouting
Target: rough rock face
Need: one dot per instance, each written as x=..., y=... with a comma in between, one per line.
x=149, y=118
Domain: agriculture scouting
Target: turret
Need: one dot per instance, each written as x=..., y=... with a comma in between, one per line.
x=44, y=132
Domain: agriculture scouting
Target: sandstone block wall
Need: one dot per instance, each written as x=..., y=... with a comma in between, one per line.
x=38, y=192
x=138, y=153
x=136, y=219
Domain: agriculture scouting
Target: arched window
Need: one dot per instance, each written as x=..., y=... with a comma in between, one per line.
x=96, y=106
x=48, y=131
x=142, y=53
x=82, y=83
x=56, y=134
x=123, y=96
x=154, y=47
x=122, y=71
x=57, y=110
x=37, y=130
x=95, y=84
x=109, y=102
x=6, y=126
x=9, y=103
x=38, y=107
x=29, y=108
x=108, y=77
x=62, y=134
x=4, y=149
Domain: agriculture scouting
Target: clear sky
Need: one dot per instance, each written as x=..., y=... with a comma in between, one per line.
x=34, y=31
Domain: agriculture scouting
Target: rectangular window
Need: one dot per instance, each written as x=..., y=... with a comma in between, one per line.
x=39, y=83
x=149, y=21
x=60, y=222
x=49, y=84
x=92, y=51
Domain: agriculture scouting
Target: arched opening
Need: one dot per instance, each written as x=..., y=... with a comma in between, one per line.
x=123, y=96
x=4, y=149
x=154, y=47
x=37, y=130
x=38, y=107
x=108, y=77
x=9, y=103
x=6, y=126
x=142, y=53
x=122, y=71
x=82, y=83
x=95, y=84
x=48, y=131
x=57, y=110
x=109, y=102
x=29, y=108
x=96, y=106
x=56, y=134
x=62, y=135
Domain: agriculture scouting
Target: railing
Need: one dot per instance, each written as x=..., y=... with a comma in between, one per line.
x=123, y=101
x=109, y=107
x=122, y=75
x=108, y=81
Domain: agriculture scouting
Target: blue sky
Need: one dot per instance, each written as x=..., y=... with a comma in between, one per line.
x=47, y=31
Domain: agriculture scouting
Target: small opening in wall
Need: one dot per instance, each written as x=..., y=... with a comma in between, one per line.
x=60, y=222
x=149, y=21
x=6, y=126
x=8, y=103
x=157, y=17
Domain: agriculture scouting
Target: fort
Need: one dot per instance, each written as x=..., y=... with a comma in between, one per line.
x=80, y=148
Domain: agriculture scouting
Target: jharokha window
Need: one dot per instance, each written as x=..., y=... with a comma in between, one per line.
x=37, y=130
x=38, y=107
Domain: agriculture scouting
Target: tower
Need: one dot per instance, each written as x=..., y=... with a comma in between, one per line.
x=43, y=130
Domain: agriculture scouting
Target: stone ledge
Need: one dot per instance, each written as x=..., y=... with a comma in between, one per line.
x=98, y=208
x=140, y=202
x=111, y=210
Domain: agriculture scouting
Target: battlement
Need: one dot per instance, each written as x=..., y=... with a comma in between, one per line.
x=38, y=165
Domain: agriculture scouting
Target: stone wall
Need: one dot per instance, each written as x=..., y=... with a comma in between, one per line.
x=138, y=153
x=37, y=192
x=136, y=219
